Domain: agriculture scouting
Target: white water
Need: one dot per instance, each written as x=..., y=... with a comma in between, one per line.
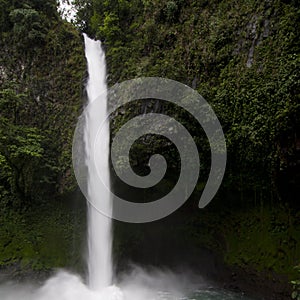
x=137, y=285
x=99, y=226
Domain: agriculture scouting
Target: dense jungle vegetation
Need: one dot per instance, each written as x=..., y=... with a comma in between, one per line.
x=241, y=56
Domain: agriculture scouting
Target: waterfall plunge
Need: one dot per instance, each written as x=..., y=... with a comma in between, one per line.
x=99, y=227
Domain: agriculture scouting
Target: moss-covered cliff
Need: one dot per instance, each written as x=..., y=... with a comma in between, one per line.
x=42, y=68
x=243, y=57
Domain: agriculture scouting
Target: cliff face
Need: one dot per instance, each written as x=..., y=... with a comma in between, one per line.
x=243, y=57
x=42, y=67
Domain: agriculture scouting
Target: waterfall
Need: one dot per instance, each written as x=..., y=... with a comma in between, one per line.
x=136, y=284
x=99, y=226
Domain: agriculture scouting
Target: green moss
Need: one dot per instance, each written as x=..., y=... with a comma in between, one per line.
x=42, y=239
x=265, y=240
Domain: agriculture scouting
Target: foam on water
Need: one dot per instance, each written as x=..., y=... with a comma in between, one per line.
x=63, y=286
x=137, y=285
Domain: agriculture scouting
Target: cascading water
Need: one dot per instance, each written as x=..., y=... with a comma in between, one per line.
x=99, y=227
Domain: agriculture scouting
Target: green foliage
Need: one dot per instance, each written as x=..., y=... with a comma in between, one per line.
x=296, y=285
x=39, y=106
x=42, y=66
x=28, y=26
x=170, y=10
x=264, y=240
x=29, y=240
x=20, y=145
x=109, y=29
x=242, y=57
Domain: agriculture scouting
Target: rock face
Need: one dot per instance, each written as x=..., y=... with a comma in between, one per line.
x=241, y=56
x=41, y=71
x=42, y=68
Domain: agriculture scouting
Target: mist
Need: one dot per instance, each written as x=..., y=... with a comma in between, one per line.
x=137, y=284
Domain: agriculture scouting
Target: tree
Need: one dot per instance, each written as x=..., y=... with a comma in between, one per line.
x=21, y=147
